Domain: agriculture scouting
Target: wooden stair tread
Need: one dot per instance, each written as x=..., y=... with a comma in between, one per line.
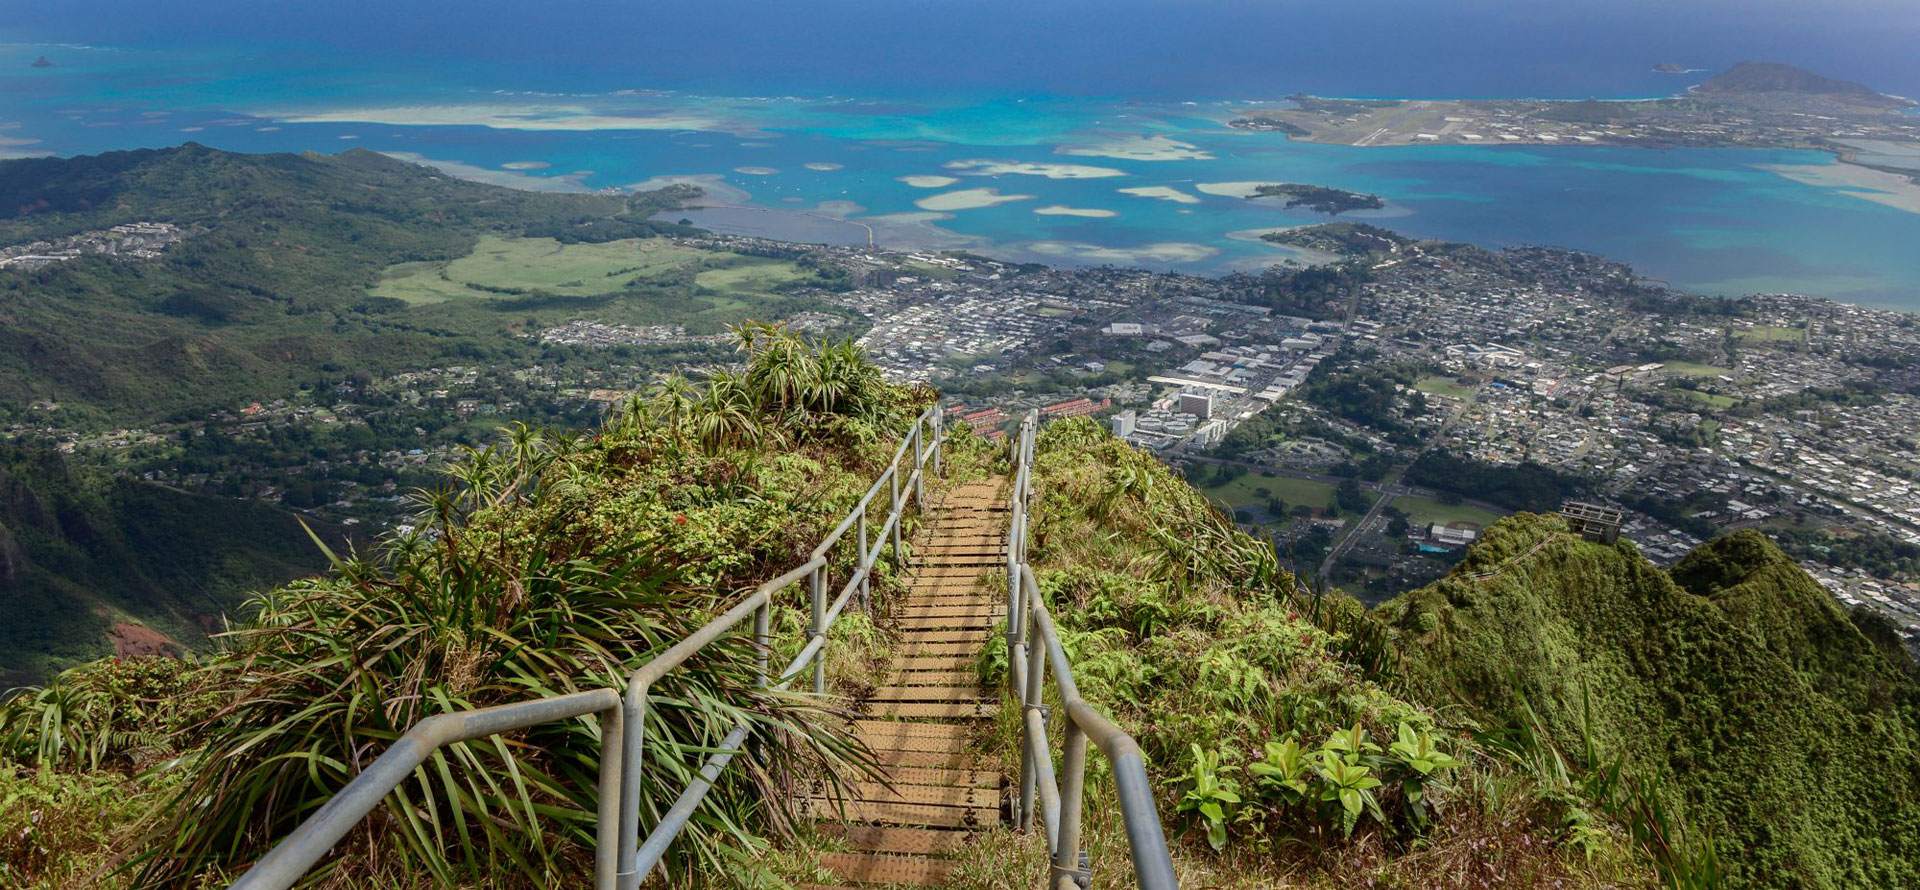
x=879, y=868
x=896, y=839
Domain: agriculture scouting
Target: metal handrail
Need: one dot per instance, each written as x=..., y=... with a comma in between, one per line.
x=635, y=862
x=1033, y=654
x=620, y=862
x=309, y=843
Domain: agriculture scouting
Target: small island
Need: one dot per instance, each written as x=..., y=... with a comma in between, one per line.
x=1670, y=68
x=1318, y=198
x=43, y=62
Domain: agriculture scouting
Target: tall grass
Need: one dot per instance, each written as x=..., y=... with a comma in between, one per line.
x=551, y=563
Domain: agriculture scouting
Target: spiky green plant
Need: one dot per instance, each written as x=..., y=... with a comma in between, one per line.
x=555, y=564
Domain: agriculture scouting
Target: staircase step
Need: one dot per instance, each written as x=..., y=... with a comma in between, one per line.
x=941, y=760
x=974, y=709
x=912, y=814
x=933, y=678
x=950, y=737
x=966, y=797
x=931, y=608
x=921, y=647
x=920, y=621
x=922, y=775
x=934, y=663
x=874, y=868
x=926, y=693
x=889, y=839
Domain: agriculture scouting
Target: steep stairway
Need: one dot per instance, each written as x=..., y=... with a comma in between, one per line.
x=924, y=720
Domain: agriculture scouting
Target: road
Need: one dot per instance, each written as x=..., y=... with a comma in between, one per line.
x=1390, y=488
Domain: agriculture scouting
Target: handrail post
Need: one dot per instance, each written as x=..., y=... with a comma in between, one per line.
x=762, y=633
x=898, y=514
x=866, y=568
x=939, y=424
x=606, y=833
x=818, y=628
x=634, y=740
x=1036, y=680
x=1066, y=855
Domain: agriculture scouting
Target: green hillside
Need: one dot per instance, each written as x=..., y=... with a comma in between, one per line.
x=273, y=286
x=82, y=552
x=1783, y=727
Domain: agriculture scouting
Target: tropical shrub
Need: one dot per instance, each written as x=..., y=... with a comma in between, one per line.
x=552, y=563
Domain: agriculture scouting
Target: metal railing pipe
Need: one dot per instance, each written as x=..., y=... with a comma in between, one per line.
x=1045, y=786
x=1066, y=849
x=1035, y=655
x=291, y=858
x=642, y=681
x=683, y=808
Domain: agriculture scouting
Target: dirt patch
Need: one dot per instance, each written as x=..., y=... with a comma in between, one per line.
x=132, y=639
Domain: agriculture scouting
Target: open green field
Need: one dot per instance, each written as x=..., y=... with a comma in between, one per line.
x=1241, y=492
x=1771, y=333
x=1426, y=511
x=1709, y=399
x=1695, y=369
x=540, y=264
x=747, y=274
x=1445, y=386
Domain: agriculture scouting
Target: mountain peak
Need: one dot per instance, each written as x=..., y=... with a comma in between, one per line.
x=1747, y=78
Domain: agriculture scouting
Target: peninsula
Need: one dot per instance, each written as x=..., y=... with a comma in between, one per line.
x=1752, y=104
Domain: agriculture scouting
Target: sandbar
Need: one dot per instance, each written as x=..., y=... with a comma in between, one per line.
x=1161, y=192
x=756, y=171
x=823, y=166
x=967, y=199
x=1159, y=253
x=1231, y=189
x=501, y=117
x=923, y=181
x=983, y=167
x=1879, y=186
x=1140, y=148
x=1088, y=212
x=525, y=165
x=509, y=178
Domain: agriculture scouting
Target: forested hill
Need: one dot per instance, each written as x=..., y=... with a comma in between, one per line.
x=1783, y=726
x=269, y=288
x=91, y=565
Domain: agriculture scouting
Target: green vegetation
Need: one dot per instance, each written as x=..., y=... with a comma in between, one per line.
x=1354, y=385
x=517, y=265
x=1695, y=369
x=1444, y=386
x=1343, y=238
x=1426, y=511
x=1319, y=198
x=1245, y=490
x=1526, y=486
x=559, y=563
x=1883, y=555
x=1269, y=713
x=306, y=268
x=85, y=557
x=1784, y=734
x=1767, y=333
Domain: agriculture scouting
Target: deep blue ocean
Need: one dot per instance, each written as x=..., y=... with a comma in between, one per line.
x=1095, y=126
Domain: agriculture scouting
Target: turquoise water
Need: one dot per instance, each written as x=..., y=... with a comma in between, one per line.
x=1716, y=221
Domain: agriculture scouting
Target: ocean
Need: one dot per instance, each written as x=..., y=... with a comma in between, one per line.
x=1064, y=132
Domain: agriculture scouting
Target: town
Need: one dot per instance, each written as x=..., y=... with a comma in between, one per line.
x=1369, y=417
